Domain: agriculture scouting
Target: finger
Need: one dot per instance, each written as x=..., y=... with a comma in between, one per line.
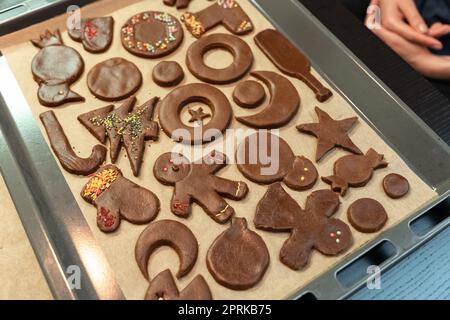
x=438, y=30
x=413, y=16
x=412, y=35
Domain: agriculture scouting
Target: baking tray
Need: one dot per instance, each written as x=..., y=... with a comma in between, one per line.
x=61, y=237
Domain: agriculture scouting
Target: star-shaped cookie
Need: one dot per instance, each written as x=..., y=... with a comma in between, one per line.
x=330, y=133
x=198, y=115
x=127, y=125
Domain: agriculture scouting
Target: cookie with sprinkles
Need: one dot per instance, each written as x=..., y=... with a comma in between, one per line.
x=152, y=34
x=116, y=198
x=127, y=125
x=96, y=34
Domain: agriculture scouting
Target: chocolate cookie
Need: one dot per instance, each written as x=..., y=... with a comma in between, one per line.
x=354, y=171
x=64, y=152
x=249, y=94
x=163, y=287
x=223, y=12
x=291, y=61
x=283, y=105
x=196, y=182
x=116, y=198
x=55, y=67
x=242, y=54
x=152, y=34
x=172, y=105
x=330, y=133
x=310, y=228
x=167, y=233
x=395, y=186
x=238, y=258
x=128, y=125
x=114, y=79
x=265, y=158
x=167, y=74
x=367, y=215
x=180, y=4
x=96, y=34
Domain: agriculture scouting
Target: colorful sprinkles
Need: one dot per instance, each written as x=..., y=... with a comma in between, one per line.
x=99, y=183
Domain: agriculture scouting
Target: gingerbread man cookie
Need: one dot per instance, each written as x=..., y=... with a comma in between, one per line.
x=224, y=12
x=116, y=198
x=196, y=182
x=310, y=228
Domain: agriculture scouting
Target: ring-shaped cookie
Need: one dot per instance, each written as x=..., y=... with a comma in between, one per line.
x=172, y=105
x=242, y=54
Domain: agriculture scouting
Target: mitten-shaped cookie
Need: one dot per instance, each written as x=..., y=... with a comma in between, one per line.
x=116, y=197
x=310, y=228
x=196, y=182
x=96, y=34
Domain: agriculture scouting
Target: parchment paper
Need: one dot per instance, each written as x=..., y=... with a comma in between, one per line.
x=279, y=281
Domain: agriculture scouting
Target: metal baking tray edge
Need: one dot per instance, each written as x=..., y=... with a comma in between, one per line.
x=61, y=237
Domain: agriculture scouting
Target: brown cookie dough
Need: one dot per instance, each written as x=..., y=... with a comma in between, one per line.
x=167, y=74
x=180, y=4
x=395, y=186
x=223, y=12
x=116, y=198
x=280, y=164
x=249, y=94
x=114, y=79
x=238, y=258
x=283, y=105
x=172, y=105
x=242, y=54
x=64, y=152
x=55, y=67
x=354, y=171
x=310, y=228
x=128, y=125
x=291, y=61
x=367, y=215
x=167, y=233
x=196, y=182
x=96, y=34
x=330, y=133
x=152, y=34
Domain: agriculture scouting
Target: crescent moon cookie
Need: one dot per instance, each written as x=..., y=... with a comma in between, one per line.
x=55, y=67
x=96, y=34
x=395, y=186
x=167, y=74
x=167, y=233
x=152, y=34
x=114, y=79
x=196, y=182
x=367, y=215
x=265, y=158
x=116, y=198
x=223, y=12
x=180, y=4
x=64, y=152
x=163, y=287
x=249, y=94
x=242, y=54
x=354, y=171
x=330, y=133
x=283, y=105
x=127, y=125
x=238, y=258
x=172, y=105
x=310, y=228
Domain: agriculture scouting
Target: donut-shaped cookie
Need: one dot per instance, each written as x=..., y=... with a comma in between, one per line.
x=152, y=34
x=242, y=54
x=172, y=105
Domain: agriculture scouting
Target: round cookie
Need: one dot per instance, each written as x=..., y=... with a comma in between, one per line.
x=367, y=215
x=243, y=58
x=172, y=105
x=167, y=74
x=249, y=94
x=152, y=34
x=114, y=79
x=395, y=186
